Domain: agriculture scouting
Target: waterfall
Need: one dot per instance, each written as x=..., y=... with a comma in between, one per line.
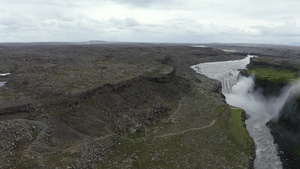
x=240, y=93
x=3, y=75
x=226, y=71
x=2, y=84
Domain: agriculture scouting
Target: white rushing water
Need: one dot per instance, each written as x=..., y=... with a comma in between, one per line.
x=229, y=50
x=261, y=110
x=199, y=46
x=226, y=72
x=239, y=93
x=2, y=84
x=2, y=75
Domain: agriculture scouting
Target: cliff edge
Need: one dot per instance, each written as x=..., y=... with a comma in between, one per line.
x=116, y=106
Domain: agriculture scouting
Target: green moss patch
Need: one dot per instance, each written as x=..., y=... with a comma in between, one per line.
x=272, y=74
x=237, y=130
x=231, y=120
x=277, y=71
x=161, y=70
x=36, y=133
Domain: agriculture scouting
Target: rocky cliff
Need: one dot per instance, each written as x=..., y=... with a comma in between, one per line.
x=286, y=131
x=271, y=76
x=116, y=106
x=61, y=126
x=270, y=79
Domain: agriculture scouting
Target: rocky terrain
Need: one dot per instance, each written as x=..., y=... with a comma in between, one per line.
x=116, y=106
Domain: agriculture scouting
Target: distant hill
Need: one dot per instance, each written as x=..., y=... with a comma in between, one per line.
x=51, y=43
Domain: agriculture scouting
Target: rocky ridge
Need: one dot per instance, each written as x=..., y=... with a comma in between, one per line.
x=77, y=106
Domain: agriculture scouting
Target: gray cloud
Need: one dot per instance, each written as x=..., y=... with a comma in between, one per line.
x=289, y=29
x=144, y=3
x=257, y=21
x=124, y=23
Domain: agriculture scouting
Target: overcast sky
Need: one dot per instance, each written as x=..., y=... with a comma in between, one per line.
x=195, y=21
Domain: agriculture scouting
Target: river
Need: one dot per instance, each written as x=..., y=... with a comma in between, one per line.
x=3, y=75
x=239, y=93
x=2, y=84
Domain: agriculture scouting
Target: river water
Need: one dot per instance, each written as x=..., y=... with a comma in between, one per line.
x=2, y=75
x=2, y=84
x=239, y=93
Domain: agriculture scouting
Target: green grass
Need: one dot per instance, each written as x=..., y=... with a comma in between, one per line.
x=237, y=130
x=226, y=143
x=273, y=74
x=274, y=71
x=36, y=133
x=211, y=147
x=232, y=123
x=160, y=70
x=139, y=134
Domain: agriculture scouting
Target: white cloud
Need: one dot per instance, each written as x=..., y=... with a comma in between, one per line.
x=148, y=3
x=259, y=21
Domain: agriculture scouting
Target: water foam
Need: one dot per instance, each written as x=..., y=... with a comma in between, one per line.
x=226, y=71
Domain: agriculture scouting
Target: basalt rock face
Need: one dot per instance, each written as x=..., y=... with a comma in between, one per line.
x=268, y=88
x=126, y=107
x=290, y=114
x=286, y=131
x=270, y=75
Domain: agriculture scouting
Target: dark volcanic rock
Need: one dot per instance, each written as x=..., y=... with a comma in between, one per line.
x=271, y=76
x=289, y=116
x=69, y=106
x=286, y=131
x=268, y=88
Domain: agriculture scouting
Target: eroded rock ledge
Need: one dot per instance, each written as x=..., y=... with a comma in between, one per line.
x=72, y=106
x=125, y=107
